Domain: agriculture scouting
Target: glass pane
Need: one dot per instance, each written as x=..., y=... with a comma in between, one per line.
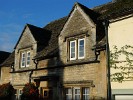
x=23, y=55
x=28, y=54
x=77, y=91
x=69, y=91
x=22, y=63
x=81, y=42
x=28, y=58
x=72, y=50
x=77, y=94
x=85, y=97
x=72, y=55
x=28, y=62
x=85, y=93
x=68, y=94
x=72, y=44
x=77, y=97
x=68, y=97
x=81, y=54
x=81, y=48
x=23, y=59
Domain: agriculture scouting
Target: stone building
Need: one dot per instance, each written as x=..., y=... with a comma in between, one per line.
x=66, y=59
x=3, y=56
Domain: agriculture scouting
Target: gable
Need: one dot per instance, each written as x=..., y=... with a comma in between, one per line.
x=77, y=23
x=26, y=39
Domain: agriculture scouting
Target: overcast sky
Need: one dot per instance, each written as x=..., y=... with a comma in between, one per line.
x=14, y=14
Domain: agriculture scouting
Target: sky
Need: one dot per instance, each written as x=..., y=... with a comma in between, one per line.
x=15, y=14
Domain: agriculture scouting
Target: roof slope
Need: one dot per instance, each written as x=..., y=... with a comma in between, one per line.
x=49, y=34
x=10, y=60
x=52, y=48
x=40, y=35
x=3, y=56
x=92, y=14
x=115, y=9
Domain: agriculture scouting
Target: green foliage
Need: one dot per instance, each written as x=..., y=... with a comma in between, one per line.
x=30, y=92
x=6, y=91
x=122, y=61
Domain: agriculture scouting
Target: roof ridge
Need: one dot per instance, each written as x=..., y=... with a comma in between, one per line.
x=55, y=21
x=102, y=5
x=33, y=26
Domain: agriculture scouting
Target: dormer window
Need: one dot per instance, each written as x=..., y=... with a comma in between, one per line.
x=77, y=49
x=25, y=59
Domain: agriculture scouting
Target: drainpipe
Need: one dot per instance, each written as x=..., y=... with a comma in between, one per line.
x=106, y=24
x=31, y=72
x=35, y=62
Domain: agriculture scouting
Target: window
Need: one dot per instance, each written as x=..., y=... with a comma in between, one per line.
x=28, y=58
x=85, y=93
x=18, y=93
x=73, y=50
x=81, y=48
x=25, y=59
x=77, y=49
x=68, y=94
x=77, y=93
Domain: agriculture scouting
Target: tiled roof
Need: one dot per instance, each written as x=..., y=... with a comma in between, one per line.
x=52, y=48
x=49, y=34
x=115, y=9
x=41, y=35
x=3, y=56
x=92, y=14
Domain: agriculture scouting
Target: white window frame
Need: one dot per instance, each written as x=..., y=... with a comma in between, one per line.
x=20, y=93
x=74, y=94
x=84, y=94
x=25, y=59
x=79, y=48
x=75, y=50
x=27, y=65
x=22, y=57
x=67, y=94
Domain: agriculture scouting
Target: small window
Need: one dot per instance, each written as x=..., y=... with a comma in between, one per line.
x=77, y=49
x=68, y=94
x=77, y=93
x=28, y=58
x=81, y=48
x=85, y=93
x=73, y=50
x=25, y=59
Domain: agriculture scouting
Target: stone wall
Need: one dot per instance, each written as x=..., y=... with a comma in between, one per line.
x=5, y=75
